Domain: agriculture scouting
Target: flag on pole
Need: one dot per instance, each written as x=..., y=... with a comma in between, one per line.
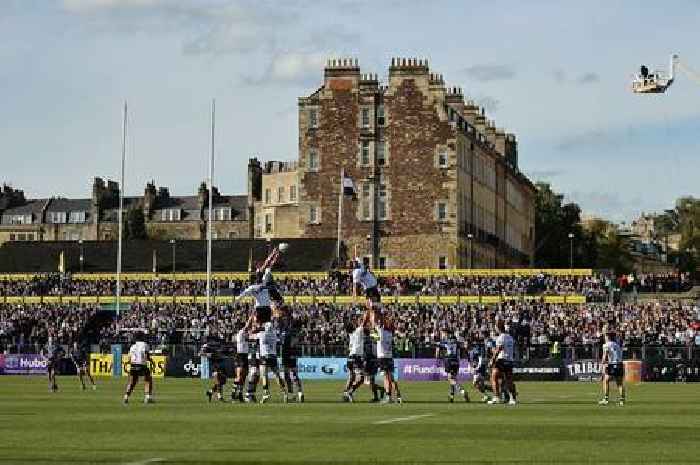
x=349, y=186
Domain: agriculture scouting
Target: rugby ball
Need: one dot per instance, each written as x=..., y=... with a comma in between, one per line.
x=283, y=247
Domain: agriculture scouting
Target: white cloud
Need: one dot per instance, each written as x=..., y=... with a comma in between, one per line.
x=487, y=73
x=294, y=68
x=86, y=6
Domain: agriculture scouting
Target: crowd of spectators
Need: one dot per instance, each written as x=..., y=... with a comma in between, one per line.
x=325, y=326
x=594, y=287
x=656, y=282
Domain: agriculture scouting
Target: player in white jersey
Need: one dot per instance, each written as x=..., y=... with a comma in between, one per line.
x=502, y=365
x=139, y=358
x=614, y=368
x=268, y=339
x=449, y=350
x=364, y=279
x=383, y=332
x=355, y=359
x=263, y=301
x=241, y=361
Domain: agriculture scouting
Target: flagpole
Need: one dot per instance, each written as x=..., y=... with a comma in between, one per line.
x=340, y=212
x=121, y=216
x=209, y=222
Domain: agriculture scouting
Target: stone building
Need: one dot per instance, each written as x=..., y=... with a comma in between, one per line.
x=96, y=218
x=437, y=184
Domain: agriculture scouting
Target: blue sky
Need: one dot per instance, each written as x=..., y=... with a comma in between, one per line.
x=555, y=73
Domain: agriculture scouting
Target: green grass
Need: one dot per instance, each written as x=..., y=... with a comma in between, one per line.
x=555, y=423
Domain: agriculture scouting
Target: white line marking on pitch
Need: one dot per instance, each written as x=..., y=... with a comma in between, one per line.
x=146, y=462
x=396, y=420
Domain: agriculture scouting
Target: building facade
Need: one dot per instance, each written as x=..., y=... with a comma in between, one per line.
x=437, y=184
x=96, y=218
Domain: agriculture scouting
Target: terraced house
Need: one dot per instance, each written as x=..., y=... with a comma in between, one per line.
x=437, y=184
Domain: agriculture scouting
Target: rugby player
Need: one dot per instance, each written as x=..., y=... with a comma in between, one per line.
x=80, y=360
x=479, y=368
x=219, y=375
x=261, y=295
x=139, y=357
x=268, y=361
x=52, y=353
x=369, y=364
x=241, y=362
x=448, y=349
x=385, y=356
x=363, y=278
x=355, y=360
x=253, y=362
x=614, y=368
x=289, y=350
x=502, y=366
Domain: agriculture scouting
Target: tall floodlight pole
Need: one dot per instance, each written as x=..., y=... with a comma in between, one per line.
x=121, y=216
x=211, y=198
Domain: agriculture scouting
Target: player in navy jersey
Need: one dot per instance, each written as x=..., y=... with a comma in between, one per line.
x=477, y=360
x=53, y=354
x=220, y=378
x=253, y=367
x=79, y=357
x=289, y=328
x=241, y=361
x=614, y=368
x=449, y=350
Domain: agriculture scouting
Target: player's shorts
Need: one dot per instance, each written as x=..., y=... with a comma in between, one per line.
x=81, y=365
x=373, y=294
x=386, y=365
x=275, y=296
x=355, y=364
x=50, y=364
x=139, y=370
x=269, y=361
x=241, y=361
x=479, y=373
x=452, y=366
x=369, y=366
x=220, y=377
x=289, y=361
x=615, y=370
x=263, y=314
x=505, y=366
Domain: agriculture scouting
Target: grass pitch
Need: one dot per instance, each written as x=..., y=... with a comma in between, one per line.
x=555, y=423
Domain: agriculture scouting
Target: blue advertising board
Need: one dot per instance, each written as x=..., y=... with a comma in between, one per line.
x=322, y=368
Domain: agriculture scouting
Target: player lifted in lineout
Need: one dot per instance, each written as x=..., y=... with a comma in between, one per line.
x=614, y=368
x=139, y=358
x=449, y=350
x=80, y=359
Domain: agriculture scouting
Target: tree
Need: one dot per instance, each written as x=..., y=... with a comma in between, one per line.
x=554, y=221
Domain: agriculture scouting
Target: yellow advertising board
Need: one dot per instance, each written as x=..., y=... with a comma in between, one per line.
x=157, y=365
x=469, y=299
x=52, y=299
x=343, y=299
x=101, y=365
x=324, y=299
x=184, y=299
x=428, y=299
x=13, y=300
x=164, y=299
x=449, y=299
x=490, y=299
x=70, y=299
x=575, y=299
x=32, y=299
x=88, y=299
x=554, y=299
x=407, y=299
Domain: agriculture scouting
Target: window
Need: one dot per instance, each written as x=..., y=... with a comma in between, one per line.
x=57, y=217
x=231, y=235
x=313, y=118
x=12, y=237
x=382, y=203
x=365, y=211
x=30, y=236
x=222, y=214
x=313, y=159
x=66, y=236
x=442, y=158
x=365, y=117
x=380, y=115
x=268, y=223
x=268, y=196
x=364, y=153
x=280, y=194
x=442, y=262
x=292, y=193
x=442, y=211
x=313, y=214
x=77, y=217
x=21, y=219
x=172, y=214
x=381, y=153
x=382, y=263
x=21, y=237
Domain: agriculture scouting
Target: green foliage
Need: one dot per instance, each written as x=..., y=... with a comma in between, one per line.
x=554, y=221
x=134, y=225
